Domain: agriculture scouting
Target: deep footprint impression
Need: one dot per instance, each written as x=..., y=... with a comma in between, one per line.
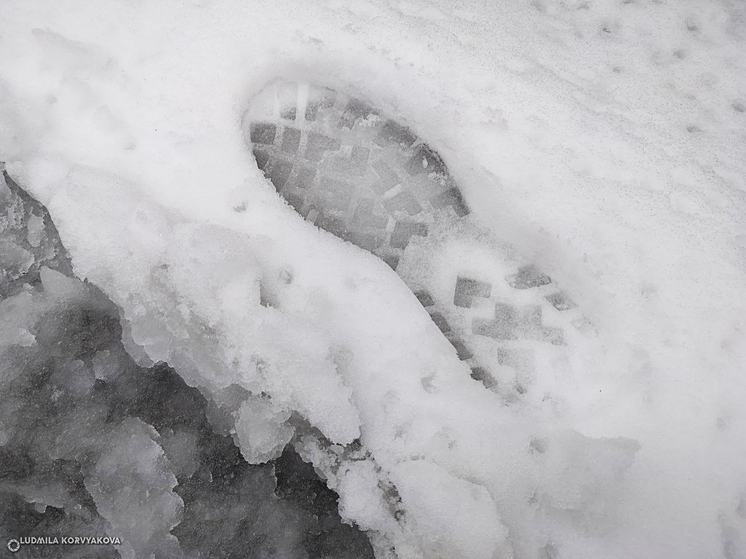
x=373, y=182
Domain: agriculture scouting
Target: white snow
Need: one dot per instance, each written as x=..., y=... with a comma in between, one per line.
x=605, y=139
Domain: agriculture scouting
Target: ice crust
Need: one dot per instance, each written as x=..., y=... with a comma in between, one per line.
x=602, y=139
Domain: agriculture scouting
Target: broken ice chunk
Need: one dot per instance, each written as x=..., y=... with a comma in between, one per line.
x=262, y=429
x=15, y=259
x=35, y=230
x=132, y=487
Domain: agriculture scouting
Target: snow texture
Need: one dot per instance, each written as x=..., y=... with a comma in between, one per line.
x=600, y=140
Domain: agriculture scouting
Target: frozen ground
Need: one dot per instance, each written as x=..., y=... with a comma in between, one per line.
x=603, y=139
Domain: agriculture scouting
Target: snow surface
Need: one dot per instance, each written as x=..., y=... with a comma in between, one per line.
x=605, y=139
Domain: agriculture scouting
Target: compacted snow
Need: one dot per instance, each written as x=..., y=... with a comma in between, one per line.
x=604, y=140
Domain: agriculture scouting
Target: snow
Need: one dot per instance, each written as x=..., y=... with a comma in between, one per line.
x=603, y=139
x=453, y=517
